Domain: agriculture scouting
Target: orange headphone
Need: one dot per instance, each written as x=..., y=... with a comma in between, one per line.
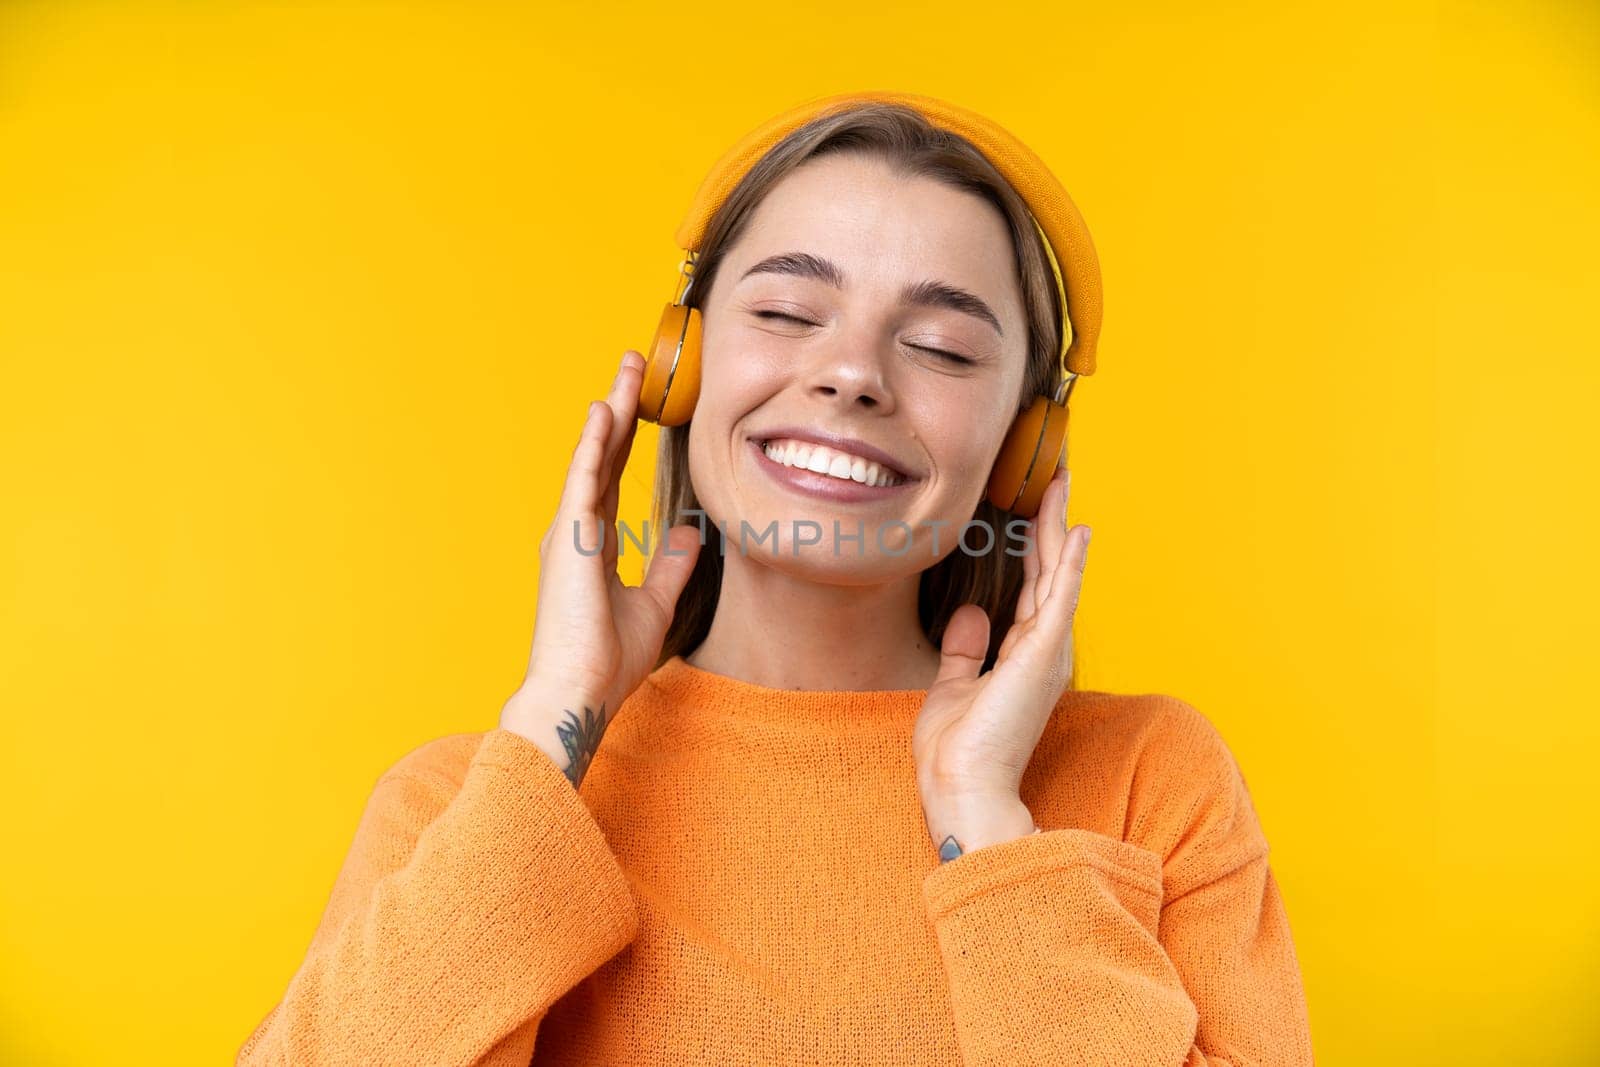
x=1037, y=439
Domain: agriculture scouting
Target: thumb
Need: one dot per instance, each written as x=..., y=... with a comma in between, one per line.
x=671, y=566
x=965, y=644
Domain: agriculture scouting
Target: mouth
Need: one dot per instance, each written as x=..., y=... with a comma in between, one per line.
x=845, y=478
x=851, y=462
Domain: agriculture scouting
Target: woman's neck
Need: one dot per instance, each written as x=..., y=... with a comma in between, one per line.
x=784, y=632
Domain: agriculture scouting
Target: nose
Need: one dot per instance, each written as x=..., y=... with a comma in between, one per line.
x=850, y=372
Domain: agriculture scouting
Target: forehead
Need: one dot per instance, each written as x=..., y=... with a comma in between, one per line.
x=885, y=228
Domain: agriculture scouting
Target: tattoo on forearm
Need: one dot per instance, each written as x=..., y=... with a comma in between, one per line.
x=949, y=849
x=581, y=739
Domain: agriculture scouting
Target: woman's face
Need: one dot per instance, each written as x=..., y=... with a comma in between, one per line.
x=902, y=358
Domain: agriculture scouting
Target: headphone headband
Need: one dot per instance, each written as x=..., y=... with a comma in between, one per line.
x=1066, y=237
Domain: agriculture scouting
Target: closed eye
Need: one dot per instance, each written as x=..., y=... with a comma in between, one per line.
x=952, y=356
x=781, y=315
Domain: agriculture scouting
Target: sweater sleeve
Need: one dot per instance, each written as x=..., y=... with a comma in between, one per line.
x=1071, y=946
x=467, y=905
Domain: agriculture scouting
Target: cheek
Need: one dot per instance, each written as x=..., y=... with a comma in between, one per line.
x=961, y=433
x=741, y=357
x=737, y=365
x=737, y=373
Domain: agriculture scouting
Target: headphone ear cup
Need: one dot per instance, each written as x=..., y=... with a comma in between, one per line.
x=1028, y=458
x=671, y=382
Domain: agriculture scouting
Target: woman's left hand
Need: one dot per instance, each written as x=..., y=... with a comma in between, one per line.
x=976, y=733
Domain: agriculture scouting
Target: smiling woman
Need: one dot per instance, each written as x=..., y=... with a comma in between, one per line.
x=721, y=802
x=899, y=196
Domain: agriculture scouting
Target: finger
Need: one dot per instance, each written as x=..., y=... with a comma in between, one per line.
x=1051, y=522
x=1056, y=613
x=624, y=403
x=610, y=502
x=965, y=644
x=670, y=568
x=1030, y=578
x=580, y=495
x=622, y=406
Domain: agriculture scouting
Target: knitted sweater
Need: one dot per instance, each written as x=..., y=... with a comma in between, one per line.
x=745, y=877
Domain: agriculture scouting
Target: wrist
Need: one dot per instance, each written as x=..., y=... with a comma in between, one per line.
x=964, y=823
x=988, y=783
x=565, y=725
x=533, y=700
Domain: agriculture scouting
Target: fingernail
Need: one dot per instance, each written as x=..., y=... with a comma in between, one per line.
x=1087, y=533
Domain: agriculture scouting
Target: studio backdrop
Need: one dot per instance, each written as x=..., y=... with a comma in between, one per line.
x=301, y=306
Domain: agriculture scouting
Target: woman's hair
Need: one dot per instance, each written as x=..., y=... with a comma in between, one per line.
x=913, y=147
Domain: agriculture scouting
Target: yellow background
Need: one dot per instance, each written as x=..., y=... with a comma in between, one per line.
x=300, y=307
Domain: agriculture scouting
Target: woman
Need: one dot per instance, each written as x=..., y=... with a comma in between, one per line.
x=770, y=806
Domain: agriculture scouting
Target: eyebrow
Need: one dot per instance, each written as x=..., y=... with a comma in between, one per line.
x=924, y=294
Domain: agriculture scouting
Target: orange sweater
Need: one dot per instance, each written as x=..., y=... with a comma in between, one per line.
x=745, y=877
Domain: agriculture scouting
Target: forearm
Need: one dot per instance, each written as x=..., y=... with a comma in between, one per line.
x=436, y=950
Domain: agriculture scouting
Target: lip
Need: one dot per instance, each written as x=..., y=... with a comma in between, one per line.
x=824, y=486
x=852, y=445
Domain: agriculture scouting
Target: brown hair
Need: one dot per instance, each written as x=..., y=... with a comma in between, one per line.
x=914, y=147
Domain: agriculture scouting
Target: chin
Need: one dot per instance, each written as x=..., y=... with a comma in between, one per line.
x=819, y=564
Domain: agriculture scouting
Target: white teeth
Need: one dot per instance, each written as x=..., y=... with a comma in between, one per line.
x=835, y=464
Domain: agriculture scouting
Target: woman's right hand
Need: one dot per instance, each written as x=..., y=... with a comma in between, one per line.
x=595, y=639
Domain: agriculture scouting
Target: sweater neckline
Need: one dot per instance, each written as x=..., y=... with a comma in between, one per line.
x=684, y=684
